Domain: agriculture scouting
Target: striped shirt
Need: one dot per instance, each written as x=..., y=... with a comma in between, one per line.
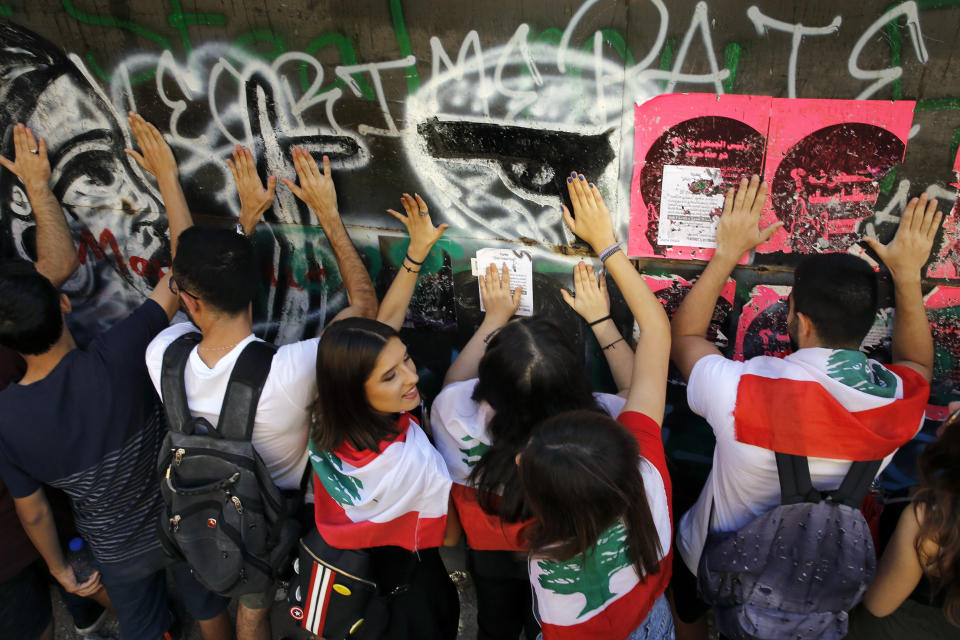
x=92, y=427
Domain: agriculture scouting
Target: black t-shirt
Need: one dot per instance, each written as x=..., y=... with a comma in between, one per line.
x=93, y=427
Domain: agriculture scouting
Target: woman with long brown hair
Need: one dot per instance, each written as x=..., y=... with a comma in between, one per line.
x=916, y=592
x=598, y=488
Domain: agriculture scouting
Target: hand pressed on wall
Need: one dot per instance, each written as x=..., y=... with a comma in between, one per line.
x=255, y=199
x=500, y=302
x=30, y=162
x=591, y=219
x=906, y=254
x=155, y=155
x=739, y=229
x=316, y=189
x=423, y=234
x=591, y=300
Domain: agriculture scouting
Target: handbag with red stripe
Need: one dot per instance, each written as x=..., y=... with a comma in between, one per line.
x=333, y=590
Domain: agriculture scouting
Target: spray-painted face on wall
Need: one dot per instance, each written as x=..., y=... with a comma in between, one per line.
x=108, y=202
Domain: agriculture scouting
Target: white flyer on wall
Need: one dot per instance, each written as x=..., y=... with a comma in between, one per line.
x=690, y=204
x=520, y=264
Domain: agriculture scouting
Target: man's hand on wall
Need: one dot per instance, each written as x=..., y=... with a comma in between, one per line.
x=155, y=155
x=906, y=254
x=739, y=229
x=255, y=199
x=316, y=189
x=30, y=162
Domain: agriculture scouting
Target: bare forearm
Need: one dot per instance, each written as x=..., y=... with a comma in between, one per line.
x=693, y=316
x=356, y=279
x=178, y=214
x=912, y=340
x=644, y=306
x=467, y=364
x=56, y=255
x=41, y=529
x=617, y=351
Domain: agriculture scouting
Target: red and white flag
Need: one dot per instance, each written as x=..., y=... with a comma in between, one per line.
x=599, y=596
x=827, y=403
x=395, y=496
x=460, y=432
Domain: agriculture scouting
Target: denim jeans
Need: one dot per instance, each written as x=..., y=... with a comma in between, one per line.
x=658, y=624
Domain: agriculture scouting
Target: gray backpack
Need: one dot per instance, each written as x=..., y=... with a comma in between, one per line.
x=223, y=514
x=795, y=571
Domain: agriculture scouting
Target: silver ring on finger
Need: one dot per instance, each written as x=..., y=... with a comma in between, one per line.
x=35, y=151
x=423, y=213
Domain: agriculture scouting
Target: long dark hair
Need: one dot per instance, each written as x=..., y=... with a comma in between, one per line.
x=580, y=475
x=939, y=493
x=346, y=356
x=528, y=373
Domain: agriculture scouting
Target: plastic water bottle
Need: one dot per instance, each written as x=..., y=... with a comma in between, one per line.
x=80, y=558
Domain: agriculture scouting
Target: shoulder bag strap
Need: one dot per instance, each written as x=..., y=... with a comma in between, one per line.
x=795, y=483
x=243, y=391
x=856, y=483
x=173, y=391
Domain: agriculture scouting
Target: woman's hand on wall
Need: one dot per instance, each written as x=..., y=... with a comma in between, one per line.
x=590, y=300
x=591, y=219
x=423, y=234
x=500, y=302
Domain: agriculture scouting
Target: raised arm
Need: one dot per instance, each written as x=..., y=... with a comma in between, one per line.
x=155, y=157
x=423, y=235
x=501, y=304
x=318, y=192
x=592, y=302
x=592, y=222
x=255, y=199
x=905, y=256
x=737, y=233
x=56, y=255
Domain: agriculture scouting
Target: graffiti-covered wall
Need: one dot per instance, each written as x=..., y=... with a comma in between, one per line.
x=482, y=107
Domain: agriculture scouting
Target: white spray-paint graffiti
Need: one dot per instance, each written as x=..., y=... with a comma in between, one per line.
x=485, y=136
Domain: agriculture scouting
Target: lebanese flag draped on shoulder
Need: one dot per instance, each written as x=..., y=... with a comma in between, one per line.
x=827, y=403
x=395, y=496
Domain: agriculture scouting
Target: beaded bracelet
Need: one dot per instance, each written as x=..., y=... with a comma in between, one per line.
x=609, y=251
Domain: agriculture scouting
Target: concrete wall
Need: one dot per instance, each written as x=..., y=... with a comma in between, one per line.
x=482, y=107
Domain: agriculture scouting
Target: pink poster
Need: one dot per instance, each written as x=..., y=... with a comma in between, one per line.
x=945, y=262
x=943, y=312
x=824, y=163
x=824, y=160
x=690, y=130
x=670, y=290
x=762, y=329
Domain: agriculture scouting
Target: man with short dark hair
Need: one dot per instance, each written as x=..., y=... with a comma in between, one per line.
x=215, y=279
x=88, y=421
x=826, y=401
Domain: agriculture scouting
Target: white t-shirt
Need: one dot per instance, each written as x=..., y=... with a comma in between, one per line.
x=743, y=482
x=281, y=427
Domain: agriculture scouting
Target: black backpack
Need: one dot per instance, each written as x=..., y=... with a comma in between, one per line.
x=223, y=515
x=795, y=571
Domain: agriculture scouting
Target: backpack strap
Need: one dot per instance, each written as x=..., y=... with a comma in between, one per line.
x=243, y=391
x=172, y=387
x=795, y=483
x=856, y=483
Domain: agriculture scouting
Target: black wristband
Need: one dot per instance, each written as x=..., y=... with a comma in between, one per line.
x=604, y=318
x=613, y=343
